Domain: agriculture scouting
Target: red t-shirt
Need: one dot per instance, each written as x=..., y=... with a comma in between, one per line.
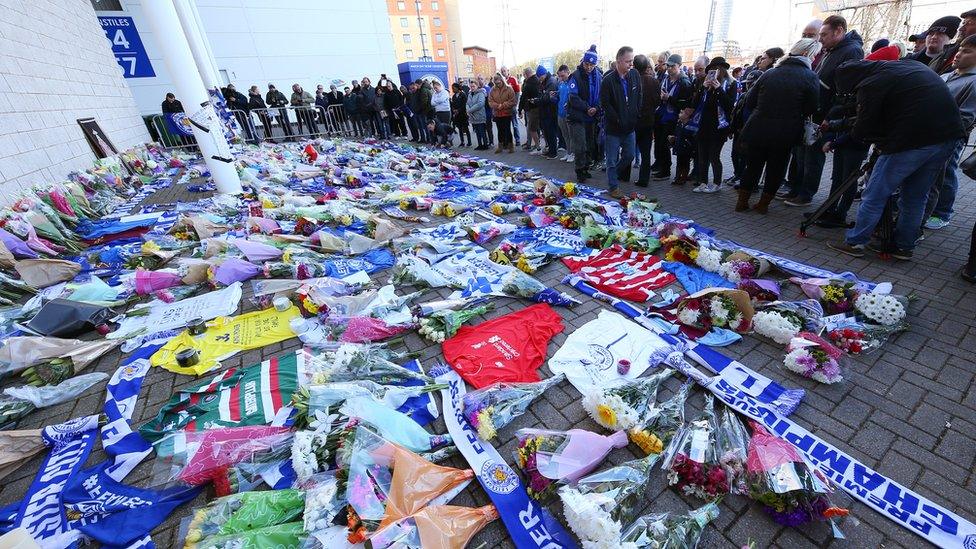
x=514, y=84
x=508, y=348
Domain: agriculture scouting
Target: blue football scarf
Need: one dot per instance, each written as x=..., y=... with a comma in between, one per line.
x=900, y=504
x=732, y=371
x=528, y=523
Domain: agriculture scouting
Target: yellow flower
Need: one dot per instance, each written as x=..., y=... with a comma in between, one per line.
x=569, y=189
x=693, y=254
x=449, y=211
x=523, y=265
x=193, y=535
x=606, y=415
x=286, y=257
x=486, y=429
x=646, y=441
x=149, y=247
x=267, y=203
x=404, y=205
x=437, y=208
x=497, y=209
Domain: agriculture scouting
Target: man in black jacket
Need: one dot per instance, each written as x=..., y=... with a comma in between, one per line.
x=620, y=99
x=676, y=92
x=237, y=103
x=527, y=108
x=839, y=46
x=275, y=98
x=547, y=106
x=171, y=104
x=907, y=112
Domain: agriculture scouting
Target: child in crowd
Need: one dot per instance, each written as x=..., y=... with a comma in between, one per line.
x=683, y=144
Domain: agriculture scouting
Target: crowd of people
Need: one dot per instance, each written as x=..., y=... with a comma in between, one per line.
x=782, y=114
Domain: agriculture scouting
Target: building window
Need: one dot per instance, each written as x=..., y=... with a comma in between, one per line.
x=403, y=22
x=437, y=21
x=409, y=54
x=401, y=5
x=440, y=53
x=435, y=5
x=439, y=37
x=406, y=38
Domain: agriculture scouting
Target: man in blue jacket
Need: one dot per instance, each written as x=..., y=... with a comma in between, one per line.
x=582, y=107
x=620, y=98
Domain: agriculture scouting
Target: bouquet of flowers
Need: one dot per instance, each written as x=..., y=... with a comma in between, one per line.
x=518, y=256
x=732, y=439
x=502, y=208
x=692, y=459
x=713, y=307
x=518, y=284
x=620, y=407
x=814, y=357
x=290, y=534
x=641, y=214
x=791, y=491
x=358, y=362
x=741, y=265
x=782, y=320
x=311, y=451
x=490, y=408
x=681, y=248
x=300, y=270
x=760, y=290
x=449, y=209
x=479, y=233
x=709, y=258
x=442, y=325
x=243, y=512
x=658, y=425
x=382, y=484
x=411, y=270
x=835, y=295
x=360, y=329
x=323, y=501
x=670, y=530
x=883, y=309
x=546, y=457
x=600, y=504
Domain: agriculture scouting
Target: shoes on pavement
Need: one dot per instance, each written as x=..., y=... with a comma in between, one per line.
x=661, y=175
x=853, y=250
x=935, y=223
x=797, y=201
x=570, y=157
x=616, y=193
x=709, y=188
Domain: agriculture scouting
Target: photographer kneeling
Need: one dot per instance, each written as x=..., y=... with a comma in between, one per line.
x=907, y=112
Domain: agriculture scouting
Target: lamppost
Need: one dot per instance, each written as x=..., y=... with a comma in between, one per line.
x=423, y=38
x=457, y=65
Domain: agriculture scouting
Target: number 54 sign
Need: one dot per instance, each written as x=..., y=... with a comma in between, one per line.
x=127, y=47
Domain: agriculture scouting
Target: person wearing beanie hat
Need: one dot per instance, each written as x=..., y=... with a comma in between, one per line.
x=887, y=53
x=918, y=42
x=582, y=112
x=967, y=27
x=590, y=56
x=879, y=43
x=541, y=71
x=937, y=37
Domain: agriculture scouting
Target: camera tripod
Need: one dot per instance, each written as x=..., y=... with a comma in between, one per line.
x=886, y=227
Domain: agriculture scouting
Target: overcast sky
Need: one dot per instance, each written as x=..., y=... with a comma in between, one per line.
x=540, y=28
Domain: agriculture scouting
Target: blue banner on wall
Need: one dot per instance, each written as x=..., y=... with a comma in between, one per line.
x=127, y=46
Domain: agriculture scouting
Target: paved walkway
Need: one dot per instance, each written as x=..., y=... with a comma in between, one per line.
x=909, y=410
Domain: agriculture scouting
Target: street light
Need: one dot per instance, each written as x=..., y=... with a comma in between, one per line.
x=457, y=65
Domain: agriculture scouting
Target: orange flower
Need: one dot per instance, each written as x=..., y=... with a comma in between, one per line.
x=833, y=512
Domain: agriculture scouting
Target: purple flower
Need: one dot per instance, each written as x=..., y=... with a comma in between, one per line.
x=795, y=517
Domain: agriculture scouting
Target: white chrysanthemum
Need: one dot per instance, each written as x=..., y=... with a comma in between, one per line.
x=588, y=515
x=720, y=315
x=709, y=259
x=320, y=506
x=775, y=326
x=792, y=361
x=688, y=316
x=881, y=308
x=728, y=273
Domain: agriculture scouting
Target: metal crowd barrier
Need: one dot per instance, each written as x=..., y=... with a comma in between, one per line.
x=169, y=139
x=282, y=123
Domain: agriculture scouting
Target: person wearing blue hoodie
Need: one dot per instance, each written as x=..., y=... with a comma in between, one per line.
x=839, y=46
x=582, y=110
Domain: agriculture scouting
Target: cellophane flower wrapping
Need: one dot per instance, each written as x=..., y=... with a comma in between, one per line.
x=361, y=329
x=732, y=440
x=196, y=458
x=682, y=249
x=386, y=483
x=760, y=290
x=855, y=338
x=435, y=527
x=814, y=357
x=720, y=308
x=313, y=449
x=692, y=459
x=600, y=504
x=835, y=295
x=791, y=491
x=493, y=407
x=671, y=530
x=289, y=534
x=658, y=425
x=244, y=512
x=357, y=361
x=739, y=266
x=620, y=407
x=323, y=501
x=782, y=320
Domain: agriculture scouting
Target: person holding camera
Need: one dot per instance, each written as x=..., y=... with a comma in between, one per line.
x=713, y=116
x=907, y=112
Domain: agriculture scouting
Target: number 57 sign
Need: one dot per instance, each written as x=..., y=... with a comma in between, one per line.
x=127, y=47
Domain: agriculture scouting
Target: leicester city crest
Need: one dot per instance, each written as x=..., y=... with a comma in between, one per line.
x=498, y=477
